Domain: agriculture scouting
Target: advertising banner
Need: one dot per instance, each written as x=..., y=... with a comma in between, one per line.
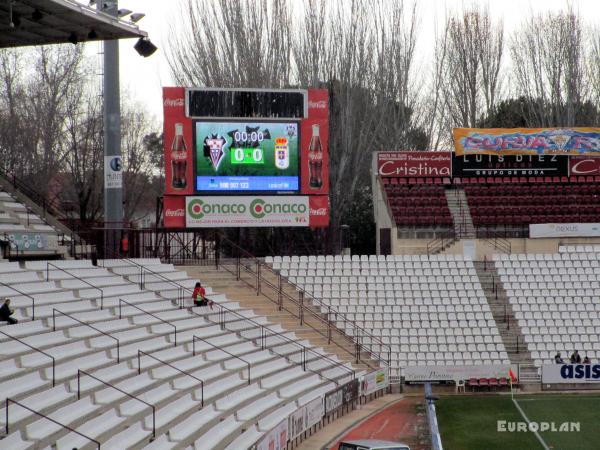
x=314, y=144
x=276, y=439
x=527, y=141
x=305, y=417
x=173, y=211
x=319, y=211
x=449, y=373
x=259, y=211
x=570, y=373
x=553, y=230
x=374, y=381
x=177, y=138
x=27, y=242
x=584, y=166
x=341, y=396
x=113, y=172
x=414, y=164
x=509, y=165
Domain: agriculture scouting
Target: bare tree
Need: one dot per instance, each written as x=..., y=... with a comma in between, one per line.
x=593, y=68
x=549, y=65
x=138, y=162
x=81, y=182
x=362, y=51
x=468, y=67
x=15, y=148
x=232, y=43
x=53, y=90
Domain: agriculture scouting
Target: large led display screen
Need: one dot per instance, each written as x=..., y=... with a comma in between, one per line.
x=246, y=157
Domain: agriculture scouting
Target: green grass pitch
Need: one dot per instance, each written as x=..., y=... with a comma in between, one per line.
x=471, y=423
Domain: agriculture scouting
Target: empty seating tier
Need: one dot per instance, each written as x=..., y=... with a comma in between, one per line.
x=555, y=300
x=113, y=344
x=522, y=204
x=429, y=310
x=419, y=205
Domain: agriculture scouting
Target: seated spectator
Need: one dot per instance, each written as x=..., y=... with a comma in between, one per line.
x=199, y=291
x=586, y=360
x=558, y=359
x=6, y=311
x=575, y=358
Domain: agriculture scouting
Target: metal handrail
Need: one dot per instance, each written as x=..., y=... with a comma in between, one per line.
x=37, y=350
x=48, y=264
x=342, y=316
x=54, y=311
x=121, y=301
x=79, y=372
x=144, y=269
x=10, y=400
x=223, y=309
x=194, y=337
x=287, y=340
x=26, y=295
x=140, y=352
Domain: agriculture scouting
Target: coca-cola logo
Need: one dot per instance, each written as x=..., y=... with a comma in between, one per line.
x=318, y=212
x=175, y=212
x=315, y=156
x=173, y=102
x=179, y=156
x=321, y=104
x=585, y=167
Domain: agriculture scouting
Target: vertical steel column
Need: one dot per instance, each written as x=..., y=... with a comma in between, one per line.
x=113, y=196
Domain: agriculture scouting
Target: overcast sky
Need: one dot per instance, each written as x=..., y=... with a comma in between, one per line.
x=144, y=77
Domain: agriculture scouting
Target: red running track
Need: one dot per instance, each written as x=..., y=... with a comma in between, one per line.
x=404, y=421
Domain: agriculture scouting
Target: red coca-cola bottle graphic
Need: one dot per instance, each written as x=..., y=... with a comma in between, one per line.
x=315, y=159
x=178, y=159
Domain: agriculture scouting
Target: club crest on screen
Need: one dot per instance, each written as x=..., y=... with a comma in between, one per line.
x=215, y=145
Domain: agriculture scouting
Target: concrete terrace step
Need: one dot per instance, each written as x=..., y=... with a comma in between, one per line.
x=239, y=291
x=501, y=309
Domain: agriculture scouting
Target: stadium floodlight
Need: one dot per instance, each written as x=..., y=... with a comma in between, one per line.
x=145, y=47
x=123, y=12
x=136, y=17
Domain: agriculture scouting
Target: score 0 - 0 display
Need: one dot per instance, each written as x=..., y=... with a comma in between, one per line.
x=246, y=157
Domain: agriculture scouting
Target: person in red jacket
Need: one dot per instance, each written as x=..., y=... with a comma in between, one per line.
x=199, y=296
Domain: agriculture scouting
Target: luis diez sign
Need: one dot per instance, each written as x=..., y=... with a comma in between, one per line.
x=247, y=211
x=510, y=165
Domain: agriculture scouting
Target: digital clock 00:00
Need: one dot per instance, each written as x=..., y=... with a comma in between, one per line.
x=247, y=155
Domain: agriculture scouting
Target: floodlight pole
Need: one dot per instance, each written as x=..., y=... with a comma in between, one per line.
x=113, y=189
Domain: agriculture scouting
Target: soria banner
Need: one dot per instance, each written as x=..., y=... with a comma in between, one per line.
x=527, y=141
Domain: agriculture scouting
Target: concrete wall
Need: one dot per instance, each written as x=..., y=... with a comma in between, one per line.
x=484, y=249
x=381, y=213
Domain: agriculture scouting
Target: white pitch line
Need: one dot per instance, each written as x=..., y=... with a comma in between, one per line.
x=539, y=438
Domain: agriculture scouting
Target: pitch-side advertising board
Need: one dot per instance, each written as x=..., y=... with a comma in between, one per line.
x=449, y=373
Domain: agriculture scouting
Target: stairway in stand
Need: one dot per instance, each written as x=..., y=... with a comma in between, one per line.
x=263, y=304
x=505, y=321
x=459, y=208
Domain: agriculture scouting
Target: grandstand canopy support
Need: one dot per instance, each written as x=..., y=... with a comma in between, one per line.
x=42, y=22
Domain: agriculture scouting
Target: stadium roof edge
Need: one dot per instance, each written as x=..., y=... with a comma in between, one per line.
x=59, y=21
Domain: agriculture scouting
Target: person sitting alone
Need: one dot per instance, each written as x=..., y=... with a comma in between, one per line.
x=587, y=360
x=199, y=296
x=6, y=311
x=558, y=359
x=575, y=358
